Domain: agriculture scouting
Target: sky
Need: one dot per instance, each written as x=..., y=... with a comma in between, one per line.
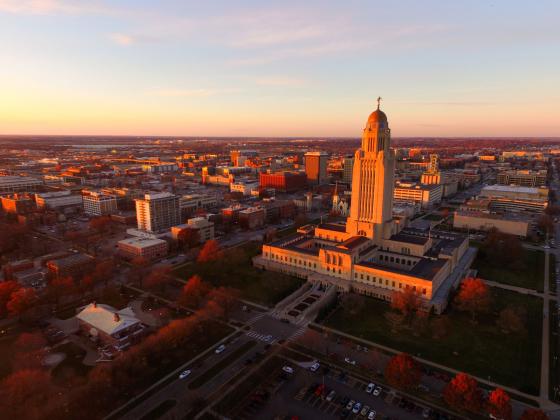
x=279, y=68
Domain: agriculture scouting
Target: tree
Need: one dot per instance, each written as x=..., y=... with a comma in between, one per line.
x=6, y=290
x=157, y=279
x=499, y=404
x=474, y=297
x=100, y=224
x=29, y=351
x=502, y=248
x=61, y=286
x=407, y=302
x=226, y=298
x=545, y=223
x=462, y=393
x=188, y=238
x=21, y=301
x=403, y=372
x=103, y=271
x=534, y=414
x=512, y=320
x=210, y=252
x=24, y=393
x=194, y=292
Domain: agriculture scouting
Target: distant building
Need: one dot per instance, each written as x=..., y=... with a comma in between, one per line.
x=524, y=178
x=426, y=195
x=239, y=157
x=348, y=165
x=72, y=265
x=158, y=168
x=147, y=248
x=316, y=167
x=201, y=225
x=110, y=327
x=10, y=183
x=190, y=204
x=283, y=181
x=157, y=212
x=98, y=204
x=57, y=200
x=245, y=188
x=17, y=204
x=252, y=218
x=516, y=198
x=486, y=221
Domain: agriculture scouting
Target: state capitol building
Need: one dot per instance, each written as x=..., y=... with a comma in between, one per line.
x=372, y=253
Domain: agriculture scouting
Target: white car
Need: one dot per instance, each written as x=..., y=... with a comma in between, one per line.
x=351, y=362
x=356, y=408
x=220, y=349
x=377, y=391
x=370, y=388
x=371, y=415
x=314, y=367
x=184, y=374
x=331, y=395
x=288, y=369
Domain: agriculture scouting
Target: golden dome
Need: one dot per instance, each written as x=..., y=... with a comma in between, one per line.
x=377, y=116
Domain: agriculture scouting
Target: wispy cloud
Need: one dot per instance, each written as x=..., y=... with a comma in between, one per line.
x=201, y=92
x=280, y=81
x=47, y=7
x=122, y=39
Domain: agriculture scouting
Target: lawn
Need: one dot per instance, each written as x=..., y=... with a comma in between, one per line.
x=529, y=273
x=482, y=349
x=236, y=270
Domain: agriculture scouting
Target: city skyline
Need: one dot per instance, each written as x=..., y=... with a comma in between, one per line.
x=280, y=69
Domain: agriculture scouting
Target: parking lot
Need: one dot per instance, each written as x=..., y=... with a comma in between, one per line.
x=332, y=394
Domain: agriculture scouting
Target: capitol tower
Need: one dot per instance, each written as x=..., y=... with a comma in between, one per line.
x=372, y=181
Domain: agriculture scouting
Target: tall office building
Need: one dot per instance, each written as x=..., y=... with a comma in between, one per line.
x=98, y=204
x=157, y=212
x=316, y=167
x=347, y=167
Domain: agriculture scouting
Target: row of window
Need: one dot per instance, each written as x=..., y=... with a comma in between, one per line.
x=291, y=260
x=373, y=279
x=393, y=259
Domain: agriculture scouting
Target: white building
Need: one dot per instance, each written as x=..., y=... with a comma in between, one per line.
x=99, y=204
x=426, y=195
x=58, y=199
x=193, y=202
x=158, y=168
x=245, y=188
x=157, y=212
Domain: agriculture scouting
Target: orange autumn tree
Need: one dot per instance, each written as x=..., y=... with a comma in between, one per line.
x=194, y=292
x=499, y=404
x=473, y=297
x=403, y=372
x=407, y=302
x=211, y=251
x=462, y=393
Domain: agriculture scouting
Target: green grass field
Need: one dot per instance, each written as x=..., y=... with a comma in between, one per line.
x=529, y=274
x=482, y=349
x=236, y=270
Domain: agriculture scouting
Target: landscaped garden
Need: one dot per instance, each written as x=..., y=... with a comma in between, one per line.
x=453, y=340
x=235, y=270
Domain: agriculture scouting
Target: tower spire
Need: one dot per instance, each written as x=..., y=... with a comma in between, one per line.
x=378, y=102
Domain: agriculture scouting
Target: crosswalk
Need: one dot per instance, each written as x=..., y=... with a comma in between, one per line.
x=267, y=338
x=298, y=333
x=256, y=318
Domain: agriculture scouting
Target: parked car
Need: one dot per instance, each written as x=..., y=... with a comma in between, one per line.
x=349, y=361
x=370, y=388
x=220, y=349
x=377, y=391
x=331, y=395
x=371, y=415
x=364, y=411
x=184, y=374
x=357, y=408
x=350, y=404
x=288, y=369
x=314, y=367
